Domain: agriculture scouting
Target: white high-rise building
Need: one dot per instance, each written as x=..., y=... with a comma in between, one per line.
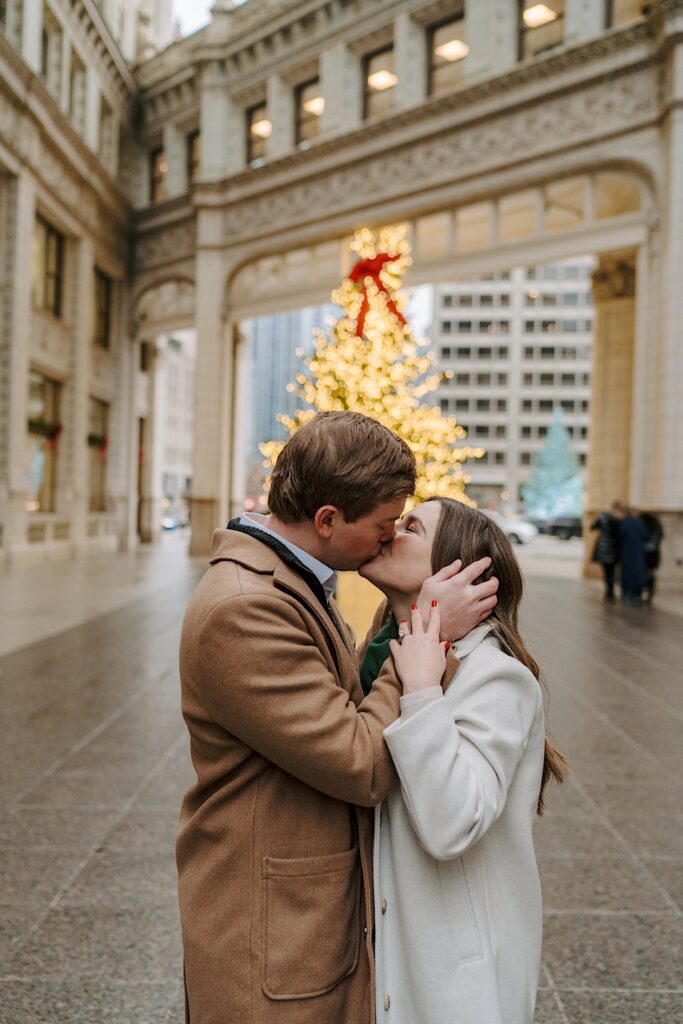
x=519, y=345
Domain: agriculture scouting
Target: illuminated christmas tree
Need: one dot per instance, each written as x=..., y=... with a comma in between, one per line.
x=370, y=363
x=555, y=487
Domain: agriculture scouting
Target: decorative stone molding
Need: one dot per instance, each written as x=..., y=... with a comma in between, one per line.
x=172, y=300
x=614, y=279
x=166, y=245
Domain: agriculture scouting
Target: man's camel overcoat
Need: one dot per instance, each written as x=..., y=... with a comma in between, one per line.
x=275, y=840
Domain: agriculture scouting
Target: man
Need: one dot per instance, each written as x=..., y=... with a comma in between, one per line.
x=275, y=840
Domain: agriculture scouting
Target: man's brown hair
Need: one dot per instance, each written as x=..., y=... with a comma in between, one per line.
x=343, y=459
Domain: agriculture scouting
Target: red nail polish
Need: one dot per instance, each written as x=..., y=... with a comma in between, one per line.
x=434, y=604
x=447, y=645
x=413, y=607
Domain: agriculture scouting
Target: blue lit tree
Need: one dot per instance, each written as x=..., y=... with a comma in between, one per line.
x=555, y=487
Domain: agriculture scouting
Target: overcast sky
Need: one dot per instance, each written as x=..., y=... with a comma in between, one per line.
x=192, y=14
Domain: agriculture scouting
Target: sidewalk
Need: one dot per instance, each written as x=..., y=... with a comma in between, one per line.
x=94, y=761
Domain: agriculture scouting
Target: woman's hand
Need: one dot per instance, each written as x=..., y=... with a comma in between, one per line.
x=463, y=603
x=419, y=656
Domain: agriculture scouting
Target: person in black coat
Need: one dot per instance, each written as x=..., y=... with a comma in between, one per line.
x=633, y=538
x=606, y=550
x=652, y=550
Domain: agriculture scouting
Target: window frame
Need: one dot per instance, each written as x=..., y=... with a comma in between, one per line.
x=430, y=36
x=256, y=159
x=523, y=30
x=52, y=277
x=103, y=313
x=157, y=176
x=299, y=139
x=367, y=91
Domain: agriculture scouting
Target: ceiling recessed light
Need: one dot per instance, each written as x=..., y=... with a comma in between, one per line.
x=262, y=128
x=539, y=14
x=454, y=49
x=315, y=106
x=381, y=80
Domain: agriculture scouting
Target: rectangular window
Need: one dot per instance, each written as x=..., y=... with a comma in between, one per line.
x=527, y=405
x=547, y=352
x=500, y=458
x=525, y=458
x=541, y=27
x=194, y=155
x=104, y=288
x=42, y=439
x=504, y=299
x=545, y=405
x=483, y=405
x=446, y=352
x=503, y=352
x=47, y=268
x=529, y=326
x=485, y=352
x=569, y=378
x=525, y=432
x=464, y=326
x=465, y=300
x=157, y=175
x=501, y=430
x=462, y=404
x=98, y=444
x=448, y=49
x=463, y=353
x=528, y=379
x=528, y=352
x=443, y=405
x=259, y=130
x=486, y=300
x=484, y=381
x=547, y=379
x=446, y=326
x=502, y=380
x=447, y=300
x=501, y=405
x=462, y=378
x=379, y=84
x=567, y=404
x=309, y=105
x=481, y=430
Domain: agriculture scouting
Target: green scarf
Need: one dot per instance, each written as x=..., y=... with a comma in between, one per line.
x=376, y=654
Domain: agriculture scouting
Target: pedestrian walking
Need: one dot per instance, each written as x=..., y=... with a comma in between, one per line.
x=633, y=538
x=606, y=550
x=653, y=545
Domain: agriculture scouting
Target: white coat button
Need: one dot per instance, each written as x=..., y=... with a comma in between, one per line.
x=387, y=1002
x=384, y=906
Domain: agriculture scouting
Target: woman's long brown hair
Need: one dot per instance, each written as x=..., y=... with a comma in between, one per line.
x=468, y=534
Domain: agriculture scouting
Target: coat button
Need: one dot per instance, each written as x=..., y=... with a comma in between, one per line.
x=384, y=906
x=387, y=1002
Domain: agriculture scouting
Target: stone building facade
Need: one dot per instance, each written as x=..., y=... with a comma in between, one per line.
x=504, y=134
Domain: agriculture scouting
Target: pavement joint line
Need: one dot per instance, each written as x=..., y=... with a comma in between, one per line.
x=77, y=747
x=56, y=899
x=625, y=681
x=606, y=912
x=601, y=716
x=553, y=989
x=626, y=845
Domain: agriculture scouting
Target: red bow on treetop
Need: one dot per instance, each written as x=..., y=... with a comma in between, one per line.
x=372, y=268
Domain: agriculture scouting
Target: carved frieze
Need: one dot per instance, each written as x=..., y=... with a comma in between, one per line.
x=565, y=121
x=166, y=245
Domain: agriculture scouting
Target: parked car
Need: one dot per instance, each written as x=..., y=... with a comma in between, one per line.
x=566, y=527
x=542, y=525
x=520, y=531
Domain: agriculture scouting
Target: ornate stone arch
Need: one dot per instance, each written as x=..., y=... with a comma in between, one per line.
x=165, y=305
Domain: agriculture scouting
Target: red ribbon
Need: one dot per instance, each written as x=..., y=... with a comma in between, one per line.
x=372, y=268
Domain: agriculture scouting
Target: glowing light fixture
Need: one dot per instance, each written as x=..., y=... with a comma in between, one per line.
x=539, y=14
x=381, y=80
x=262, y=128
x=315, y=106
x=454, y=49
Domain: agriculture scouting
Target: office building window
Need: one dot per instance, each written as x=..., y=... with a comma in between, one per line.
x=104, y=288
x=501, y=405
x=259, y=130
x=47, y=268
x=485, y=352
x=483, y=404
x=194, y=155
x=42, y=438
x=463, y=379
x=501, y=430
x=545, y=405
x=463, y=353
x=447, y=300
x=525, y=431
x=503, y=352
x=447, y=52
x=501, y=380
x=527, y=405
x=484, y=380
x=310, y=105
x=481, y=430
x=443, y=404
x=446, y=352
x=541, y=27
x=464, y=326
x=157, y=175
x=499, y=458
x=462, y=404
x=528, y=379
x=446, y=326
x=546, y=379
x=525, y=458
x=529, y=326
x=569, y=378
x=379, y=81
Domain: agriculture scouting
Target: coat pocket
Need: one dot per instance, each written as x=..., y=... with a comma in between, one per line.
x=311, y=923
x=457, y=904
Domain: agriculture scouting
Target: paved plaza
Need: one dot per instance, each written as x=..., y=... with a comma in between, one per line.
x=94, y=760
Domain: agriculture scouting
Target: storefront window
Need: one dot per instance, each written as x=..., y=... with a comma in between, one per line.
x=42, y=441
x=98, y=444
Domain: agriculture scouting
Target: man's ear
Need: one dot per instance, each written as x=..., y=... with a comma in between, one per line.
x=325, y=519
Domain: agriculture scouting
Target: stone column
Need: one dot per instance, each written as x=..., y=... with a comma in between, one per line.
x=492, y=34
x=74, y=478
x=411, y=62
x=609, y=460
x=214, y=388
x=280, y=103
x=150, y=497
x=175, y=151
x=65, y=88
x=583, y=19
x=17, y=211
x=91, y=127
x=242, y=393
x=32, y=34
x=222, y=127
x=342, y=87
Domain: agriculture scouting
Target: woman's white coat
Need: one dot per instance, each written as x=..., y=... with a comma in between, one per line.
x=457, y=892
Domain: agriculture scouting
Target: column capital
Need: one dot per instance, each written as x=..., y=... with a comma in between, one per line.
x=615, y=278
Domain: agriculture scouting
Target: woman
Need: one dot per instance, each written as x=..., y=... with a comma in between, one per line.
x=457, y=893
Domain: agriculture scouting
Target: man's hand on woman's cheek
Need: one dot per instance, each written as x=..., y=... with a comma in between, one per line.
x=462, y=602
